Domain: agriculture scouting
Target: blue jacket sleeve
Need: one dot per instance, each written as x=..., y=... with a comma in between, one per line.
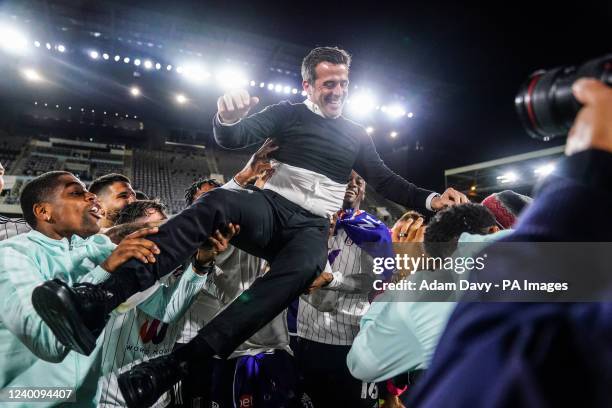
x=496, y=352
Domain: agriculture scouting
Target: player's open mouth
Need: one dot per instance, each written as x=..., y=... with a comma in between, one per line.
x=96, y=212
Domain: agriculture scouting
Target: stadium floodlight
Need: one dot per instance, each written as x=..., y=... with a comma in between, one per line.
x=545, y=170
x=37, y=44
x=117, y=58
x=158, y=66
x=94, y=54
x=179, y=70
x=395, y=111
x=12, y=40
x=393, y=134
x=181, y=99
x=509, y=177
x=287, y=89
x=31, y=75
x=195, y=73
x=105, y=56
x=252, y=83
x=262, y=84
x=148, y=64
x=410, y=115
x=294, y=91
x=369, y=129
x=270, y=87
x=278, y=88
x=135, y=91
x=137, y=62
x=304, y=93
x=230, y=77
x=126, y=60
x=169, y=67
x=61, y=48
x=362, y=104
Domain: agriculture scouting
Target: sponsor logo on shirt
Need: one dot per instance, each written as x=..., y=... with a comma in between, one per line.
x=154, y=333
x=246, y=401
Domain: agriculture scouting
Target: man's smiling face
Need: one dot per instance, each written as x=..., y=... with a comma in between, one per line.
x=330, y=88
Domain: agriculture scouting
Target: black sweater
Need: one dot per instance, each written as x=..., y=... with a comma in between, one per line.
x=332, y=147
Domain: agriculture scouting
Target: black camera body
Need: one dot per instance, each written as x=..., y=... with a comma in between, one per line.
x=545, y=103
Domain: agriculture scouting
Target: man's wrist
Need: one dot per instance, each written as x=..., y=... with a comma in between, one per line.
x=225, y=123
x=430, y=201
x=202, y=268
x=105, y=265
x=241, y=179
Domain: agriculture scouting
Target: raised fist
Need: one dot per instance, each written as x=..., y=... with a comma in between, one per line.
x=235, y=105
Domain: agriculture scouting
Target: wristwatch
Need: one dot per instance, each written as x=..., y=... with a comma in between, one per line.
x=202, y=268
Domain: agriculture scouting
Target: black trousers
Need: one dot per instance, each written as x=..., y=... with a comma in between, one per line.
x=326, y=379
x=290, y=238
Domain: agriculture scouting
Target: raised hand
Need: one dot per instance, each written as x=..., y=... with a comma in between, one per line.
x=449, y=198
x=235, y=105
x=133, y=246
x=258, y=165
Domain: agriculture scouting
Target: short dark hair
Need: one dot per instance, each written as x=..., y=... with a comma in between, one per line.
x=190, y=191
x=137, y=209
x=140, y=195
x=38, y=190
x=445, y=227
x=334, y=55
x=101, y=183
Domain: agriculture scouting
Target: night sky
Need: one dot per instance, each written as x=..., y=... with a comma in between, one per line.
x=477, y=55
x=481, y=53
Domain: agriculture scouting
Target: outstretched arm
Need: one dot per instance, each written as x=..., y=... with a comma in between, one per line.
x=393, y=187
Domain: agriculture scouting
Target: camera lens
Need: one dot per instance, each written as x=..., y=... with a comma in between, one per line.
x=545, y=103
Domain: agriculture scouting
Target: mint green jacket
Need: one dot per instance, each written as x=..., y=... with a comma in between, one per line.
x=30, y=355
x=397, y=336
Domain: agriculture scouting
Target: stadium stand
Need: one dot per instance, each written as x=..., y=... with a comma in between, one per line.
x=163, y=173
x=10, y=149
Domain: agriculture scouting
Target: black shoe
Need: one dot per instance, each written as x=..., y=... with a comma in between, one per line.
x=76, y=315
x=145, y=383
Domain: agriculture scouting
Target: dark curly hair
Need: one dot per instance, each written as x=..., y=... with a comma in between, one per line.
x=191, y=191
x=445, y=227
x=137, y=209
